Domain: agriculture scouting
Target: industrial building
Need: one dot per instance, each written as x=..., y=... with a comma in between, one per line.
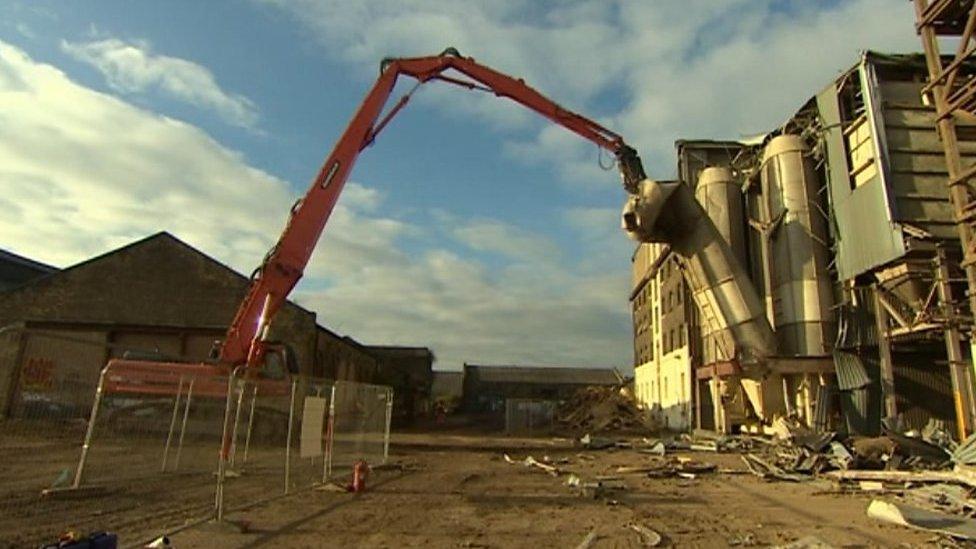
x=155, y=297
x=16, y=270
x=838, y=227
x=409, y=371
x=487, y=387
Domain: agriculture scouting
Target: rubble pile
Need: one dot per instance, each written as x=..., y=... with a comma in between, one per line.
x=600, y=409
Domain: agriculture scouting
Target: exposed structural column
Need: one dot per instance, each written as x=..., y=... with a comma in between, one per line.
x=952, y=88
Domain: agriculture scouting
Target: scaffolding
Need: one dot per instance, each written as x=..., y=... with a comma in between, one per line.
x=952, y=90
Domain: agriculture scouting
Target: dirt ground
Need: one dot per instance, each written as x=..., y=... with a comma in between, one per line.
x=458, y=491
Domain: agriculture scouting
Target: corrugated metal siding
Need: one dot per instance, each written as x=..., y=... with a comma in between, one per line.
x=863, y=234
x=856, y=323
x=860, y=393
x=851, y=372
x=916, y=160
x=824, y=408
x=923, y=389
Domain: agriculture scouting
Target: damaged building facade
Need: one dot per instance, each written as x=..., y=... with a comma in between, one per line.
x=826, y=284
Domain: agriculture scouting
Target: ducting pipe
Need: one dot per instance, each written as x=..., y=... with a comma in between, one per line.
x=668, y=212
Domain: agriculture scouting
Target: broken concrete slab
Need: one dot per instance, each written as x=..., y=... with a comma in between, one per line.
x=648, y=536
x=923, y=519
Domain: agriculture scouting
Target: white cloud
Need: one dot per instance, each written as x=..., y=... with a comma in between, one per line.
x=489, y=235
x=84, y=172
x=134, y=68
x=679, y=68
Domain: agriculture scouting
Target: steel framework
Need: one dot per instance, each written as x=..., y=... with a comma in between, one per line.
x=952, y=90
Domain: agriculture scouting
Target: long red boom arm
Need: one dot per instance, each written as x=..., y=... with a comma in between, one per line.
x=284, y=264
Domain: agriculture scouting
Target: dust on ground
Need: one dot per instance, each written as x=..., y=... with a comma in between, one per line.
x=458, y=491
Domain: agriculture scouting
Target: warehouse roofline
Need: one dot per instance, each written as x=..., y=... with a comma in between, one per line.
x=548, y=375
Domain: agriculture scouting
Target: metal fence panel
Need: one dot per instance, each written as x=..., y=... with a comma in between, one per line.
x=529, y=416
x=359, y=423
x=141, y=453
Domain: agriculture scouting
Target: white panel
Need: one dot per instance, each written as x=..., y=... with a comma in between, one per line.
x=313, y=419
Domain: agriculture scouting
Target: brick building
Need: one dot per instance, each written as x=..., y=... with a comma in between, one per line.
x=157, y=295
x=409, y=370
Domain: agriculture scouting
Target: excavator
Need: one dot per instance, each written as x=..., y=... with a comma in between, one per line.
x=246, y=343
x=246, y=348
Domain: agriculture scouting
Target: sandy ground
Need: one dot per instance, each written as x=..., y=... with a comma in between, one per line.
x=458, y=491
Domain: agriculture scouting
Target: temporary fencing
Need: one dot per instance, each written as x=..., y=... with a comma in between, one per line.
x=529, y=416
x=322, y=424
x=45, y=397
x=359, y=423
x=146, y=450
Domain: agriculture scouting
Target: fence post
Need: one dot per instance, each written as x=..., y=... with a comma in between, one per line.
x=186, y=415
x=172, y=423
x=224, y=448
x=291, y=423
x=91, y=429
x=386, y=432
x=237, y=421
x=250, y=422
x=329, y=436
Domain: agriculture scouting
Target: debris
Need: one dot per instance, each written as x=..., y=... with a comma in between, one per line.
x=813, y=441
x=903, y=476
x=839, y=456
x=948, y=497
x=965, y=453
x=937, y=432
x=331, y=487
x=747, y=540
x=626, y=470
x=923, y=519
x=532, y=462
x=596, y=443
x=159, y=543
x=704, y=446
x=654, y=448
x=692, y=466
x=649, y=538
x=765, y=470
x=598, y=409
x=589, y=540
x=918, y=452
x=871, y=485
x=808, y=542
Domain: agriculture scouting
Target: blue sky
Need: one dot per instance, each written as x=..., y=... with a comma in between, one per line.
x=471, y=226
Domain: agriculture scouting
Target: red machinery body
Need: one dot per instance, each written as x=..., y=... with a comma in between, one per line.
x=285, y=263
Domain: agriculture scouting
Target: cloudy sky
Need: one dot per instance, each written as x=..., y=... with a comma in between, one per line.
x=471, y=226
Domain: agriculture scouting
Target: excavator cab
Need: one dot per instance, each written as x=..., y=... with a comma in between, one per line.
x=279, y=364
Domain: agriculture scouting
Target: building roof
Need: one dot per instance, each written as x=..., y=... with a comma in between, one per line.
x=401, y=350
x=546, y=375
x=16, y=270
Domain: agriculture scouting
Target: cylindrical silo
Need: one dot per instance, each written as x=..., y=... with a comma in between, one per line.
x=721, y=197
x=801, y=286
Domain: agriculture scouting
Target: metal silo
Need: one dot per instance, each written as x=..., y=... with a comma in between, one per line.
x=801, y=286
x=721, y=197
